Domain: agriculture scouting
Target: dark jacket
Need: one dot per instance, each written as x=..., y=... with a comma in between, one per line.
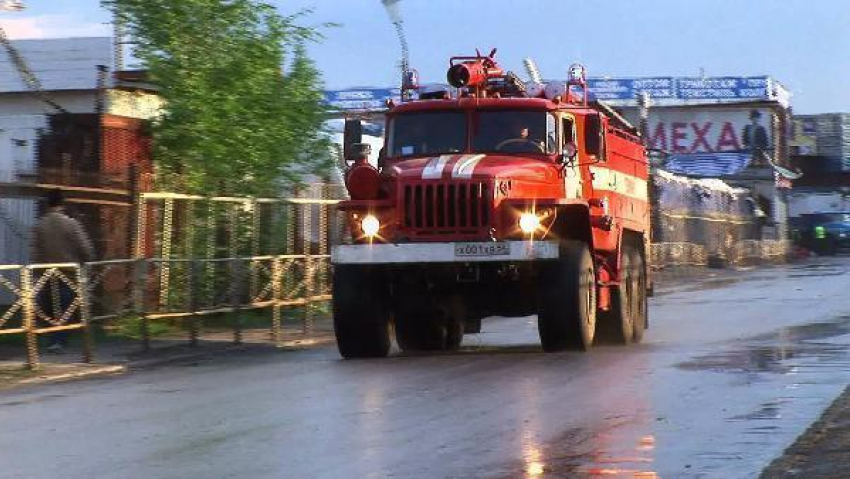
x=58, y=238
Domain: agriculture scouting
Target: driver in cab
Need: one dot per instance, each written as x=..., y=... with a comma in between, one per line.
x=522, y=143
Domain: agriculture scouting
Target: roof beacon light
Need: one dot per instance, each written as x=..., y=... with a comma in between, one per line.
x=577, y=74
x=411, y=80
x=577, y=77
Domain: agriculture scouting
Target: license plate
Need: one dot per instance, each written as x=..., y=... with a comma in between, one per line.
x=482, y=249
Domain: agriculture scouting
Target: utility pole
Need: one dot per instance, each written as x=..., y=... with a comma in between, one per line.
x=394, y=13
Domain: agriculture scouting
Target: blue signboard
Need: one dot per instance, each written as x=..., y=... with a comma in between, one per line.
x=628, y=88
x=361, y=98
x=664, y=88
x=723, y=88
x=685, y=89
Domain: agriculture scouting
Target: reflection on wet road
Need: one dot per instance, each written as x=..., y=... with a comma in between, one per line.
x=728, y=376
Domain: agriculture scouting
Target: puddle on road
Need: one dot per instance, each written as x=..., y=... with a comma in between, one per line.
x=817, y=275
x=771, y=352
x=580, y=453
x=810, y=331
x=767, y=411
x=766, y=359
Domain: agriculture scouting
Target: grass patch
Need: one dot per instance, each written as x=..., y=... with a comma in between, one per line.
x=131, y=328
x=262, y=318
x=21, y=373
x=12, y=339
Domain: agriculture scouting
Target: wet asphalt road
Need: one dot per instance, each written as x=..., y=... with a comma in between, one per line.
x=732, y=370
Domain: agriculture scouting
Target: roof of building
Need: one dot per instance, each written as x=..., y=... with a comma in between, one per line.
x=60, y=63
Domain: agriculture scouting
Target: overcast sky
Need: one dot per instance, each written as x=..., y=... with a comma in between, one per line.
x=805, y=44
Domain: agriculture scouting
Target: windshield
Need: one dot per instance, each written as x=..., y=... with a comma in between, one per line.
x=509, y=131
x=429, y=133
x=503, y=131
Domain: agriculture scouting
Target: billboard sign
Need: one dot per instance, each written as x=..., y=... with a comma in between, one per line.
x=724, y=88
x=628, y=88
x=361, y=98
x=667, y=90
x=671, y=88
x=711, y=142
x=804, y=136
x=712, y=130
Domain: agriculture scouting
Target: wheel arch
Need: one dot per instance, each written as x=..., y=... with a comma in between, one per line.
x=573, y=223
x=638, y=239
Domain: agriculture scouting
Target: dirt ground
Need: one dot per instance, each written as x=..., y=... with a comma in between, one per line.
x=823, y=451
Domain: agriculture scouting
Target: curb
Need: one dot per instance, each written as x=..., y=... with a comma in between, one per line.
x=86, y=372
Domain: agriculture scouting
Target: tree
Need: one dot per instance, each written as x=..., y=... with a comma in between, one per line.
x=243, y=99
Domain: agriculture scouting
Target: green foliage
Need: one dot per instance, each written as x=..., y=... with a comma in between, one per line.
x=243, y=99
x=131, y=328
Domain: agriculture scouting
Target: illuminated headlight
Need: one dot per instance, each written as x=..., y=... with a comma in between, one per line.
x=529, y=222
x=370, y=225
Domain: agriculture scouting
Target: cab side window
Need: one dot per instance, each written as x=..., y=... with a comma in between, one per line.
x=568, y=129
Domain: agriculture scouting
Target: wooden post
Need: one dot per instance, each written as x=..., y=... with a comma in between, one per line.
x=85, y=312
x=277, y=298
x=237, y=293
x=140, y=275
x=194, y=302
x=29, y=318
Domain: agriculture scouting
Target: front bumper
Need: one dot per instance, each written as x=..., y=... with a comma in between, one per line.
x=413, y=253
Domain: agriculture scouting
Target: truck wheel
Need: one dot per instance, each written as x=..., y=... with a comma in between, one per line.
x=361, y=322
x=416, y=323
x=567, y=300
x=421, y=325
x=419, y=334
x=639, y=299
x=616, y=326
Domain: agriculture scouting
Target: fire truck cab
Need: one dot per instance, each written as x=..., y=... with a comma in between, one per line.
x=500, y=200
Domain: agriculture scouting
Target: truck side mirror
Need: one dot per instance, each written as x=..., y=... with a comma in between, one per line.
x=352, y=135
x=593, y=136
x=382, y=158
x=359, y=153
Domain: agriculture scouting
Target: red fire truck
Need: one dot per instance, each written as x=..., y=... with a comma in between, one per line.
x=497, y=198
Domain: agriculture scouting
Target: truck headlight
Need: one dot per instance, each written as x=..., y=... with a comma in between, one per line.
x=370, y=226
x=529, y=222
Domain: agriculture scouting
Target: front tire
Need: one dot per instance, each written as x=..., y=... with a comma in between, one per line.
x=567, y=300
x=361, y=320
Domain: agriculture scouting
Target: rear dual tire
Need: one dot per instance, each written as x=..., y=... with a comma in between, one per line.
x=640, y=300
x=625, y=322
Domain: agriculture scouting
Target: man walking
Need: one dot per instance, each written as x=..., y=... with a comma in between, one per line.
x=58, y=238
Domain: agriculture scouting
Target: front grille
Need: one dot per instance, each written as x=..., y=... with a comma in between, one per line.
x=446, y=207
